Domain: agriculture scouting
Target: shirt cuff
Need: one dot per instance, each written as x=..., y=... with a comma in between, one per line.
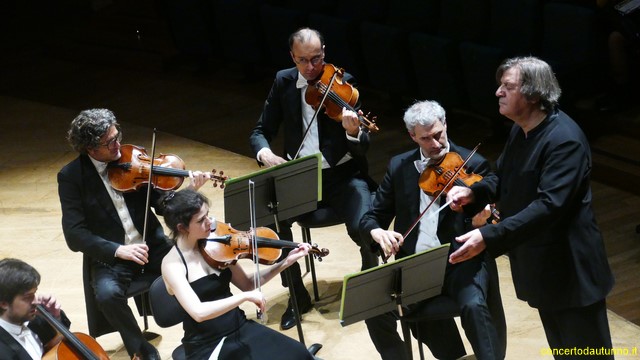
x=354, y=139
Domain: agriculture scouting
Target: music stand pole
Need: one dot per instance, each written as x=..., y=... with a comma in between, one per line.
x=283, y=191
x=273, y=206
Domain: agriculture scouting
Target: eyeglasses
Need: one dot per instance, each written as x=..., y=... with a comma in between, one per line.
x=111, y=142
x=314, y=60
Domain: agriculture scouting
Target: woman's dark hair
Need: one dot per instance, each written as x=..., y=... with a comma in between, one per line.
x=180, y=206
x=16, y=277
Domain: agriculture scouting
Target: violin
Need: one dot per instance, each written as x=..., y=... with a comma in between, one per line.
x=131, y=171
x=71, y=346
x=435, y=178
x=230, y=245
x=341, y=95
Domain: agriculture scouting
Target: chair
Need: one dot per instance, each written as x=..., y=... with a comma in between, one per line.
x=443, y=307
x=319, y=218
x=437, y=308
x=166, y=311
x=139, y=289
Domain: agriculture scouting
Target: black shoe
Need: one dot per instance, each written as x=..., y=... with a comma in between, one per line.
x=289, y=317
x=313, y=349
x=148, y=352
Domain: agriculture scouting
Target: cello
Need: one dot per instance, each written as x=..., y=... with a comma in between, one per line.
x=71, y=346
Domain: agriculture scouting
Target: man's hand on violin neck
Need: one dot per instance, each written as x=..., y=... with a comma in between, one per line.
x=138, y=253
x=197, y=179
x=350, y=122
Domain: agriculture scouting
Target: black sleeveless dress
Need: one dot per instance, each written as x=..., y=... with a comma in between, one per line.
x=245, y=339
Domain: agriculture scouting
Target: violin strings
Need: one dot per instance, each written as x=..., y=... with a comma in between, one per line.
x=340, y=102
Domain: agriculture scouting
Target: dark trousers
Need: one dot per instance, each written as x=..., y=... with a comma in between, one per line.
x=473, y=284
x=441, y=336
x=583, y=328
x=481, y=314
x=110, y=284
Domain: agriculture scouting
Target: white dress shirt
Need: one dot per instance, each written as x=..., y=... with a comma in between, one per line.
x=132, y=235
x=25, y=337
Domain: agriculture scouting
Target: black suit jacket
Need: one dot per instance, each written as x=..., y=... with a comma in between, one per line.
x=398, y=197
x=91, y=225
x=548, y=227
x=283, y=108
x=10, y=349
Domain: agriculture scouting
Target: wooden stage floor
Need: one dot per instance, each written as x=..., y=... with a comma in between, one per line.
x=34, y=149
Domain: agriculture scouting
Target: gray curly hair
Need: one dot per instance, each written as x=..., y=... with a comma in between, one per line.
x=88, y=127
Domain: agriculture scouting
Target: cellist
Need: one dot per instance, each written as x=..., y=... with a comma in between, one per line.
x=346, y=185
x=23, y=335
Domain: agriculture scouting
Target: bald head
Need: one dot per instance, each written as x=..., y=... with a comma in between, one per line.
x=305, y=35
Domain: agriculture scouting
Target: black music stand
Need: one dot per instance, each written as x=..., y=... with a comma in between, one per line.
x=281, y=192
x=388, y=287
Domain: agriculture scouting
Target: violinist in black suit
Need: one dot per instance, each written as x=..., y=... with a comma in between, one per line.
x=399, y=197
x=23, y=335
x=106, y=226
x=346, y=186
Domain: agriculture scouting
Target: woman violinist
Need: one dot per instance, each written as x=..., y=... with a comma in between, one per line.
x=216, y=327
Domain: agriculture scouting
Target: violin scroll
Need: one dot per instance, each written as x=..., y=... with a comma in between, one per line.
x=317, y=252
x=219, y=179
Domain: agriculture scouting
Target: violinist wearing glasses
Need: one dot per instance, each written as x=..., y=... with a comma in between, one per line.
x=346, y=185
x=469, y=284
x=216, y=328
x=106, y=225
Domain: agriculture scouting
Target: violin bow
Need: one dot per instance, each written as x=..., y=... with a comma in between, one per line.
x=435, y=198
x=254, y=244
x=315, y=114
x=148, y=201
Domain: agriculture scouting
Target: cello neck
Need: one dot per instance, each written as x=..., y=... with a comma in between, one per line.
x=68, y=335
